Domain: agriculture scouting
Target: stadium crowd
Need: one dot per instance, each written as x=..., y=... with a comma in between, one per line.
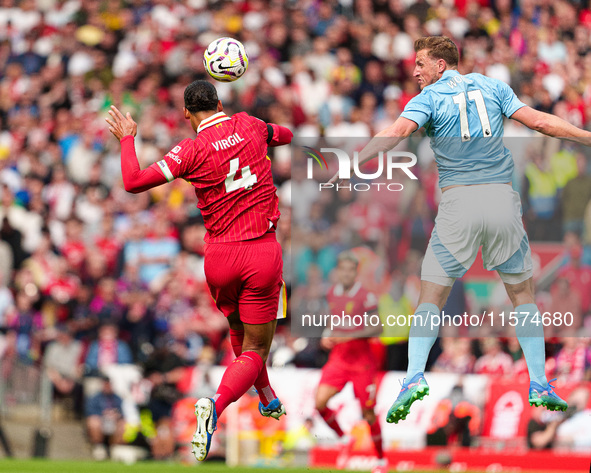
x=122, y=275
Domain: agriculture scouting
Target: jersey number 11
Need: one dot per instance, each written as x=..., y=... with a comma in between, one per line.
x=476, y=96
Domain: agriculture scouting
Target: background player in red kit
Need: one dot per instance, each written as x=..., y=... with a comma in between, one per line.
x=350, y=356
x=227, y=164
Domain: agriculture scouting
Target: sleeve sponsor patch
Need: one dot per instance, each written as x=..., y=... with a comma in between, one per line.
x=165, y=170
x=173, y=156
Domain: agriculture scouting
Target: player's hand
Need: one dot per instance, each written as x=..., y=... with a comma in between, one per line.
x=121, y=125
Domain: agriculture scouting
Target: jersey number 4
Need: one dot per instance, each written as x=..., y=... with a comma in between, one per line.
x=476, y=97
x=246, y=181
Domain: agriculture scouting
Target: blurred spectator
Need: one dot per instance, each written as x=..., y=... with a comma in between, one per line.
x=494, y=360
x=82, y=321
x=455, y=420
x=63, y=361
x=42, y=262
x=108, y=244
x=299, y=440
x=564, y=299
x=541, y=429
x=105, y=304
x=578, y=276
x=310, y=299
x=108, y=349
x=60, y=194
x=368, y=218
x=19, y=221
x=516, y=353
x=575, y=431
x=62, y=285
x=73, y=248
x=27, y=324
x=6, y=300
x=104, y=420
x=13, y=238
x=164, y=369
x=540, y=198
x=138, y=327
x=456, y=356
x=575, y=197
x=570, y=361
x=563, y=164
x=316, y=252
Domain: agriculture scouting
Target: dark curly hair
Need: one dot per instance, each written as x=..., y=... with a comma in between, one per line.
x=201, y=96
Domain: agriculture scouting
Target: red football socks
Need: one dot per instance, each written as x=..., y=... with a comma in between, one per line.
x=376, y=438
x=263, y=387
x=262, y=384
x=237, y=379
x=236, y=340
x=330, y=417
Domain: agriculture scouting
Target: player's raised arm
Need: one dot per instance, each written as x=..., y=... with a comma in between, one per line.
x=278, y=135
x=135, y=180
x=385, y=140
x=551, y=125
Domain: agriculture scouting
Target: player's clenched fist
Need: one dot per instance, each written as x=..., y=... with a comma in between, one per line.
x=121, y=125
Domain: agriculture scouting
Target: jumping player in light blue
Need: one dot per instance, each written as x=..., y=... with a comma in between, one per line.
x=463, y=116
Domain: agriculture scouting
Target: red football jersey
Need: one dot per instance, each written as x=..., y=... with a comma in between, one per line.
x=227, y=163
x=355, y=301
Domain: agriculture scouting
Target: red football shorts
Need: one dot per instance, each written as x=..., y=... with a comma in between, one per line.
x=245, y=277
x=364, y=382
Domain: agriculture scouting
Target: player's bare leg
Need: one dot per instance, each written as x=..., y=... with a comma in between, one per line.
x=422, y=336
x=323, y=395
x=433, y=293
x=530, y=333
x=521, y=293
x=237, y=379
x=369, y=416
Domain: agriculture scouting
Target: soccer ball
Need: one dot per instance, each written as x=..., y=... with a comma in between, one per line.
x=225, y=59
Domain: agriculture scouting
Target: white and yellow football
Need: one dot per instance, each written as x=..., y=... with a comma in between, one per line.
x=225, y=59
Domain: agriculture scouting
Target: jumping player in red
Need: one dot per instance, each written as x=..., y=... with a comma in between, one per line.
x=350, y=356
x=227, y=164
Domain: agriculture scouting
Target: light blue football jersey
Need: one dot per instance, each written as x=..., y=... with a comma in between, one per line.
x=463, y=116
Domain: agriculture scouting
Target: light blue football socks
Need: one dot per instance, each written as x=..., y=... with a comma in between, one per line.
x=421, y=338
x=530, y=333
x=529, y=330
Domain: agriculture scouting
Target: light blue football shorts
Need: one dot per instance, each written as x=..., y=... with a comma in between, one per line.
x=486, y=215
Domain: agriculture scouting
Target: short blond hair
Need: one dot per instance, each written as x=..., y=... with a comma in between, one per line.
x=348, y=256
x=439, y=47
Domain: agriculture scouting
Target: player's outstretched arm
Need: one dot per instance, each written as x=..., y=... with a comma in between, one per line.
x=385, y=140
x=278, y=135
x=135, y=180
x=551, y=125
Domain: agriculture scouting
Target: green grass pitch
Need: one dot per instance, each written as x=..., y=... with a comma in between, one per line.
x=46, y=466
